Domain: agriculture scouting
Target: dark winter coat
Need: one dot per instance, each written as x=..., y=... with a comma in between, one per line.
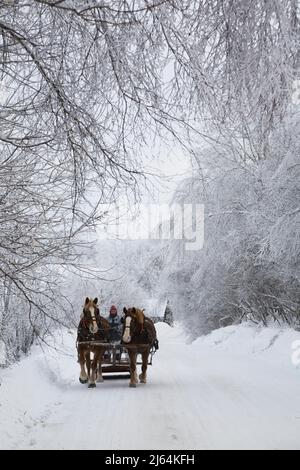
x=115, y=325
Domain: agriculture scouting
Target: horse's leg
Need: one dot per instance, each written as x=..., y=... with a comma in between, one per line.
x=99, y=366
x=133, y=374
x=143, y=375
x=88, y=362
x=92, y=380
x=83, y=378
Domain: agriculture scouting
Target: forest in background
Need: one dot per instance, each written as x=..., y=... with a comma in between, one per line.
x=86, y=87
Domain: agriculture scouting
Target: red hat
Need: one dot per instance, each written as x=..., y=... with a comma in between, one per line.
x=113, y=310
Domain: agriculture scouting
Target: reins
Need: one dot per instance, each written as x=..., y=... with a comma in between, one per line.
x=99, y=323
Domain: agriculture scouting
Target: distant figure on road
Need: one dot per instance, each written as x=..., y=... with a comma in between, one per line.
x=168, y=316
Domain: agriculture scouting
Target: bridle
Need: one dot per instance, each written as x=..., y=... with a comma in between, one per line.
x=133, y=326
x=87, y=323
x=128, y=327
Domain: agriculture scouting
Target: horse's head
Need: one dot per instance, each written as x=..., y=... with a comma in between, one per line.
x=133, y=324
x=91, y=314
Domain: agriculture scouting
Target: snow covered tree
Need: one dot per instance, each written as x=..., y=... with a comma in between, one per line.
x=168, y=316
x=87, y=86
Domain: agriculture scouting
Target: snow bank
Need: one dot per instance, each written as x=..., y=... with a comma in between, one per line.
x=28, y=389
x=170, y=332
x=235, y=388
x=246, y=339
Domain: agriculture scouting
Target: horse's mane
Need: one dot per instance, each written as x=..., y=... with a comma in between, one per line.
x=150, y=328
x=140, y=316
x=146, y=325
x=104, y=324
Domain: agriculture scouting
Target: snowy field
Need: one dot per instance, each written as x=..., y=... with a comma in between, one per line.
x=236, y=388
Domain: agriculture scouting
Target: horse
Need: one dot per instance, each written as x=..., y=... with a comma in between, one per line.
x=139, y=332
x=92, y=327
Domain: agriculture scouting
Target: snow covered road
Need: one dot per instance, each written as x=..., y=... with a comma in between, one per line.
x=236, y=388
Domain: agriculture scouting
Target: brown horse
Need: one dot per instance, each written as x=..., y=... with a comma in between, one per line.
x=92, y=327
x=140, y=335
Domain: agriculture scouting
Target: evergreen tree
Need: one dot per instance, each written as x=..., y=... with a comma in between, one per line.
x=168, y=316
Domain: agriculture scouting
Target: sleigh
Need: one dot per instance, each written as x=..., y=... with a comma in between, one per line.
x=99, y=356
x=115, y=361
